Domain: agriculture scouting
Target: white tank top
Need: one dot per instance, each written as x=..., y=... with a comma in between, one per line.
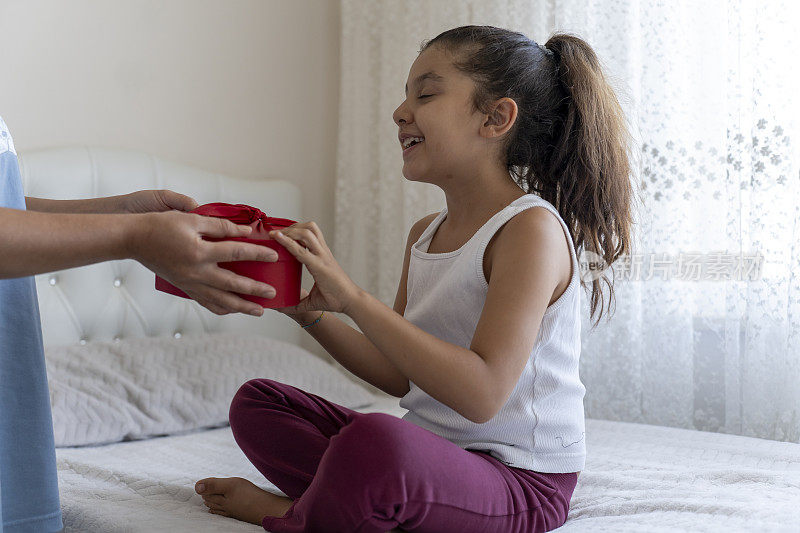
x=541, y=427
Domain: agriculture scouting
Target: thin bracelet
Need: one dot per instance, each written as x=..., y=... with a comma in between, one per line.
x=317, y=320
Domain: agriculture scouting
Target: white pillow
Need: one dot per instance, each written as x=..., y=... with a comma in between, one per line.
x=105, y=392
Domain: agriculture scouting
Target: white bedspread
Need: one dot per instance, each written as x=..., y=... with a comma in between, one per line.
x=637, y=478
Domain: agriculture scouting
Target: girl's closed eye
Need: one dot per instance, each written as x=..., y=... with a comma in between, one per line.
x=424, y=95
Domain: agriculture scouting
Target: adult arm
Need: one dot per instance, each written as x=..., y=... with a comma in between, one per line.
x=135, y=202
x=169, y=243
x=106, y=205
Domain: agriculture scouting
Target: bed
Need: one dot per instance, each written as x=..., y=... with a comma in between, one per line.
x=637, y=478
x=129, y=454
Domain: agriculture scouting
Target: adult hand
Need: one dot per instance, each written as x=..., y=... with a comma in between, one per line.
x=333, y=289
x=171, y=244
x=155, y=200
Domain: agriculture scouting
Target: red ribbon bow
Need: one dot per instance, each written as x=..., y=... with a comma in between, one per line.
x=244, y=215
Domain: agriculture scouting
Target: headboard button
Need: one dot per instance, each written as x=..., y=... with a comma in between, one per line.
x=117, y=282
x=177, y=335
x=117, y=338
x=53, y=280
x=83, y=341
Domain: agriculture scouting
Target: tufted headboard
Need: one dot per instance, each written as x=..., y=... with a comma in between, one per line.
x=117, y=299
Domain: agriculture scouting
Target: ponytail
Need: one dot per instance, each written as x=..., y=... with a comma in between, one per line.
x=588, y=173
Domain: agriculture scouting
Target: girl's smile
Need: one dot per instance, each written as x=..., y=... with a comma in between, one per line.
x=411, y=148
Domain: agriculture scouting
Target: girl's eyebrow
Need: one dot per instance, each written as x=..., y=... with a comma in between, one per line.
x=428, y=75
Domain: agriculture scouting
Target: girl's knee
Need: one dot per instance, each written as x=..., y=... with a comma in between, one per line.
x=380, y=436
x=250, y=396
x=371, y=457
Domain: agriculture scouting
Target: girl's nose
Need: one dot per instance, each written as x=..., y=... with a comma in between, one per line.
x=400, y=115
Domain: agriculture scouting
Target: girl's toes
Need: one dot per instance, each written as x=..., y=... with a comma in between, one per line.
x=214, y=506
x=217, y=499
x=213, y=485
x=202, y=486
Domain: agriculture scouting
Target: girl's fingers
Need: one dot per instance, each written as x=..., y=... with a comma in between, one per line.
x=309, y=240
x=296, y=248
x=317, y=232
x=304, y=236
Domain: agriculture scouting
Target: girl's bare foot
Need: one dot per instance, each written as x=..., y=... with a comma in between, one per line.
x=238, y=498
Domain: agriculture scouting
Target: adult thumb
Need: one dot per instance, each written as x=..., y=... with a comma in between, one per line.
x=178, y=201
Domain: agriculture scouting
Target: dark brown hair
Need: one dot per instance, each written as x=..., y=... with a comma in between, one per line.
x=569, y=144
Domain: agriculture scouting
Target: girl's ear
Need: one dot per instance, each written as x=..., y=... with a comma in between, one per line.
x=501, y=118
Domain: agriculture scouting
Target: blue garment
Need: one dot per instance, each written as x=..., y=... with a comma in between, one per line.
x=28, y=478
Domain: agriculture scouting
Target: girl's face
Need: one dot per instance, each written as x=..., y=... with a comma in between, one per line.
x=438, y=107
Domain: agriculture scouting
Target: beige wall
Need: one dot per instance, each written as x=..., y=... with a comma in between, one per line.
x=244, y=87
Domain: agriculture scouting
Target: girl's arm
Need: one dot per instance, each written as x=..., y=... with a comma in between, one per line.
x=453, y=375
x=356, y=352
x=476, y=382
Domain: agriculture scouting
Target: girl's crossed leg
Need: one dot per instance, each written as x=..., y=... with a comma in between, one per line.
x=363, y=472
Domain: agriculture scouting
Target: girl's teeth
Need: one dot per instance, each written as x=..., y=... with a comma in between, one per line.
x=407, y=142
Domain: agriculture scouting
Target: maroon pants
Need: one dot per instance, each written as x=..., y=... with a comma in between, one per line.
x=363, y=472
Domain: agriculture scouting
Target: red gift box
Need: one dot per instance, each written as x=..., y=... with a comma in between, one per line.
x=285, y=274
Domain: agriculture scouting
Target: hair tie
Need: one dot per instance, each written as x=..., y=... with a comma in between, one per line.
x=546, y=51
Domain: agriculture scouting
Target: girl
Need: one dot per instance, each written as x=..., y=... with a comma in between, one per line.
x=484, y=353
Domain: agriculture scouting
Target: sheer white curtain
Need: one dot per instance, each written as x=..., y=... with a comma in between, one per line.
x=706, y=333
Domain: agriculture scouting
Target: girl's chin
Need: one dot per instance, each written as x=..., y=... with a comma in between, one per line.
x=410, y=175
x=409, y=169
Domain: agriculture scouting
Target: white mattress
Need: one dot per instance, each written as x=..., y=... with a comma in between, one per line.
x=637, y=478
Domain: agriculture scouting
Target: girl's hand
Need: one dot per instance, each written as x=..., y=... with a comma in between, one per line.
x=333, y=289
x=291, y=311
x=155, y=200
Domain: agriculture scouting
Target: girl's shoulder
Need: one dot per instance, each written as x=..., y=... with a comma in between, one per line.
x=418, y=228
x=535, y=232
